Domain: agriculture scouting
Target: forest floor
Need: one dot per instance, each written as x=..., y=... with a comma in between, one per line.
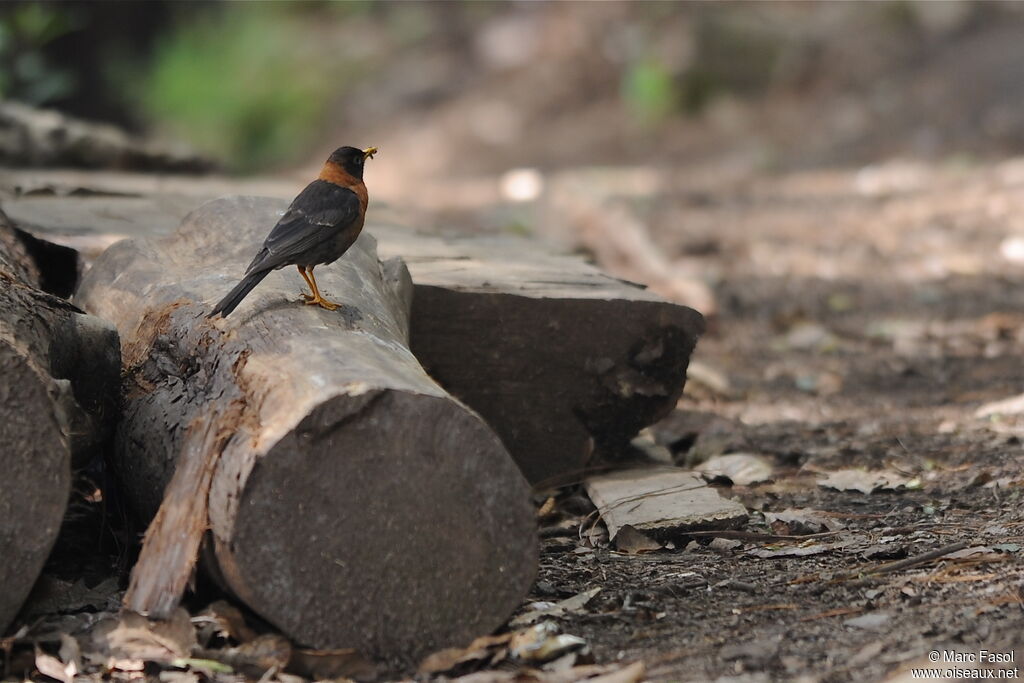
x=867, y=320
x=870, y=319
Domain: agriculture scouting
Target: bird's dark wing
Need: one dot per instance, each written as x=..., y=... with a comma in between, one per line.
x=313, y=217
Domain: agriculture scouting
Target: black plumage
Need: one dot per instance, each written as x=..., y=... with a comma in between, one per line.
x=320, y=225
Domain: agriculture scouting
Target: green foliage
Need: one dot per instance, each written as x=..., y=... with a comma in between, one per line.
x=25, y=73
x=650, y=91
x=736, y=52
x=246, y=84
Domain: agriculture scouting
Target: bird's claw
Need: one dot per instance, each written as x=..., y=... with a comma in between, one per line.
x=321, y=302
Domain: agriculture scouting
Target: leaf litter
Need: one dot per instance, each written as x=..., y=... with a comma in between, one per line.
x=929, y=394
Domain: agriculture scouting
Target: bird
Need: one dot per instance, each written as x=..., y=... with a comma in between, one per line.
x=320, y=225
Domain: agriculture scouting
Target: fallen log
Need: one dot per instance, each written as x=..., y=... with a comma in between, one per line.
x=46, y=137
x=562, y=360
x=352, y=502
x=530, y=356
x=60, y=373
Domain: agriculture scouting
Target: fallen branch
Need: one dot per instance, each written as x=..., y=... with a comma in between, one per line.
x=899, y=565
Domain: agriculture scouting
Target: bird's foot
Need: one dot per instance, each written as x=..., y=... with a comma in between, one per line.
x=321, y=302
x=307, y=297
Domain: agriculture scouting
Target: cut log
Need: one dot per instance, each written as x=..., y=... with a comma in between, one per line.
x=562, y=360
x=354, y=503
x=60, y=373
x=46, y=137
x=91, y=210
x=523, y=337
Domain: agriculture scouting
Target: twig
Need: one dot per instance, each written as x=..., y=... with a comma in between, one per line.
x=767, y=608
x=755, y=536
x=899, y=565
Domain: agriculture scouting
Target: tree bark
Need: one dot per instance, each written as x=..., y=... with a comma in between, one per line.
x=354, y=503
x=59, y=382
x=563, y=361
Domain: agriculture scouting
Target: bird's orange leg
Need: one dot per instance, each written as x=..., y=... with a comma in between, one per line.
x=317, y=299
x=307, y=297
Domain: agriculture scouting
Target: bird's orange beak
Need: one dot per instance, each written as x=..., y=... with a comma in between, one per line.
x=369, y=152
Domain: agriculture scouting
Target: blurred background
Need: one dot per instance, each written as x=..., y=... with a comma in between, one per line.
x=837, y=186
x=633, y=131
x=472, y=87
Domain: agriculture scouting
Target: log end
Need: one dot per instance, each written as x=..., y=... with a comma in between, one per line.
x=35, y=462
x=397, y=529
x=559, y=378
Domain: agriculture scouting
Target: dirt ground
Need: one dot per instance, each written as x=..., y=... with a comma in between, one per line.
x=868, y=318
x=865, y=320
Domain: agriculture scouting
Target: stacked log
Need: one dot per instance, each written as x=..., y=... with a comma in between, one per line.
x=563, y=361
x=547, y=348
x=351, y=501
x=60, y=374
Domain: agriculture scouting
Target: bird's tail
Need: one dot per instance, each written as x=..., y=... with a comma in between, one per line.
x=235, y=296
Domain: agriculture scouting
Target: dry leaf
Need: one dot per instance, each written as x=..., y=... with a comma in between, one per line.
x=492, y=677
x=631, y=541
x=573, y=604
x=227, y=621
x=542, y=643
x=793, y=551
x=70, y=653
x=1013, y=405
x=260, y=654
x=591, y=673
x=447, y=659
x=799, y=522
x=115, y=664
x=54, y=668
x=977, y=550
x=713, y=379
x=133, y=637
x=865, y=482
x=742, y=469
